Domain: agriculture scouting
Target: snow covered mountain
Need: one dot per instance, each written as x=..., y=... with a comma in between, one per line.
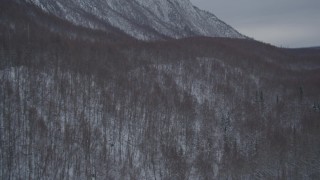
x=78, y=103
x=142, y=19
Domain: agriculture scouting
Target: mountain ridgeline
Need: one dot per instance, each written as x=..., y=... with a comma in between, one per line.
x=142, y=19
x=81, y=95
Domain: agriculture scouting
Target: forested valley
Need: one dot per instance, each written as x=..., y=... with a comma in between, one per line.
x=77, y=103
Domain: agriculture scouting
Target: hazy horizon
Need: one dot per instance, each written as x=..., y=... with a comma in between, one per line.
x=285, y=23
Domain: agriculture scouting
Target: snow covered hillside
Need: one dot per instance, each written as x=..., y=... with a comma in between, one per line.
x=142, y=19
x=113, y=107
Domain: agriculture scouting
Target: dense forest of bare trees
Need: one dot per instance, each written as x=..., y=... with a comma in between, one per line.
x=83, y=105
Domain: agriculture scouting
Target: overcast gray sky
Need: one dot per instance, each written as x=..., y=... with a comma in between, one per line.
x=287, y=23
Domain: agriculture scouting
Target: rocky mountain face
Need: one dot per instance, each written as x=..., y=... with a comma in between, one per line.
x=80, y=103
x=142, y=19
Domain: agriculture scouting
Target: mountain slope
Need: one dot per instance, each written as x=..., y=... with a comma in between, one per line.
x=73, y=107
x=142, y=19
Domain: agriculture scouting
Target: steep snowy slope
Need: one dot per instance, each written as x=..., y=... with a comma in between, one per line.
x=142, y=19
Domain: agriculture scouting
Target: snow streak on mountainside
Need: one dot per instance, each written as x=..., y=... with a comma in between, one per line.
x=142, y=19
